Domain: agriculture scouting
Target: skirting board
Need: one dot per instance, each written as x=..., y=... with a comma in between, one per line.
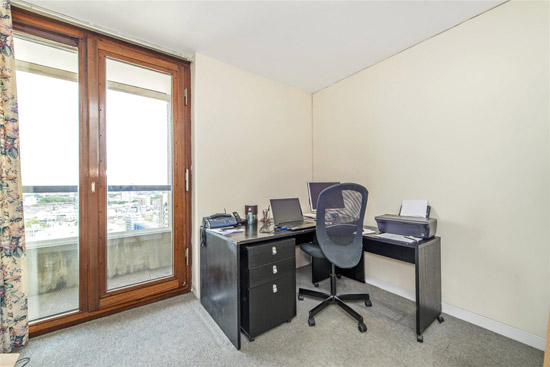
x=481, y=321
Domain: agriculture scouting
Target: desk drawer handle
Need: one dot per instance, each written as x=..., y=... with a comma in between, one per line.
x=274, y=288
x=274, y=250
x=274, y=269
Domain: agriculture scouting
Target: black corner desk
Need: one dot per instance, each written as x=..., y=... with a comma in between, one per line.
x=224, y=257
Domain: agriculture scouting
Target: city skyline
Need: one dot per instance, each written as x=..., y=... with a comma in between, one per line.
x=56, y=215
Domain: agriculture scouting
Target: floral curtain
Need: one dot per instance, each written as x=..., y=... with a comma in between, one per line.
x=14, y=326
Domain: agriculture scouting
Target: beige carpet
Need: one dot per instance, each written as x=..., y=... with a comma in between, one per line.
x=179, y=332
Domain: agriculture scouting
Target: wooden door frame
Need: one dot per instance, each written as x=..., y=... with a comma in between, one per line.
x=89, y=45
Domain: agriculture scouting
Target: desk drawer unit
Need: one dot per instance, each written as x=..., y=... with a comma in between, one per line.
x=270, y=272
x=270, y=252
x=268, y=281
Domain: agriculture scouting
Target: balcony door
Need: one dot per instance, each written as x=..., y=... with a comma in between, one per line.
x=105, y=157
x=137, y=125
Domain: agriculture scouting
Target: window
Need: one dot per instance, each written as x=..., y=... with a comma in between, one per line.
x=49, y=172
x=139, y=175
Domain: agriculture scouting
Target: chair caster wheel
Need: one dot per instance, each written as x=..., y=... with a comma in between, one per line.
x=316, y=285
x=362, y=327
x=368, y=303
x=440, y=319
x=289, y=321
x=420, y=338
x=251, y=339
x=338, y=276
x=300, y=297
x=311, y=321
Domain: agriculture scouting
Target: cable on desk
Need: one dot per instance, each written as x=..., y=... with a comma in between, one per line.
x=266, y=227
x=22, y=362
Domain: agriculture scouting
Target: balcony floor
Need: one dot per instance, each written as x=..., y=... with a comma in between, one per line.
x=65, y=300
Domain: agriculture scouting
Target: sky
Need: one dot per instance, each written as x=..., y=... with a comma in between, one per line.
x=137, y=135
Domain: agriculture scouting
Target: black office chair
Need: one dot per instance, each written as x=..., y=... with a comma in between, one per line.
x=340, y=215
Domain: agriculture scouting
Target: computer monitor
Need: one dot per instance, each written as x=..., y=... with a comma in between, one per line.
x=314, y=189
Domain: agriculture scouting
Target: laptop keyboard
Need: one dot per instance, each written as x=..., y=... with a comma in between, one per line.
x=298, y=224
x=291, y=224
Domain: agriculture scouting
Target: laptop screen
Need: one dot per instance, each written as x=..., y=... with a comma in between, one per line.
x=286, y=210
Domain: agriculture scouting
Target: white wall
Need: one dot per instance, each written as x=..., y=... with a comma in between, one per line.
x=251, y=143
x=461, y=119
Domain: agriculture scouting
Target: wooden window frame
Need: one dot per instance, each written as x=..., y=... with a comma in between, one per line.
x=94, y=301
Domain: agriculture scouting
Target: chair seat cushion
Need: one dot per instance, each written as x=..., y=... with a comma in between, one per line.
x=312, y=249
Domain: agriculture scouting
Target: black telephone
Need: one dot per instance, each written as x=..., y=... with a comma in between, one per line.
x=219, y=220
x=238, y=218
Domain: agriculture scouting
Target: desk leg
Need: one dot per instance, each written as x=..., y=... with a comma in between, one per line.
x=357, y=272
x=321, y=268
x=220, y=282
x=428, y=285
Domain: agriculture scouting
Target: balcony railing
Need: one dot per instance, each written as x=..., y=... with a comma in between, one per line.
x=111, y=188
x=72, y=241
x=54, y=262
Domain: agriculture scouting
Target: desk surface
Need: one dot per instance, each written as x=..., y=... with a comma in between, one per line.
x=259, y=232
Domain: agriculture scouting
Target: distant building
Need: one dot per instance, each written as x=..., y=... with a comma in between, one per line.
x=29, y=200
x=138, y=226
x=130, y=220
x=143, y=200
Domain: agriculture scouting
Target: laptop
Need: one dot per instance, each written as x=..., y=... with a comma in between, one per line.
x=288, y=213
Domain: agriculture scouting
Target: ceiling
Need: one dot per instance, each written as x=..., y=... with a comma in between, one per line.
x=306, y=44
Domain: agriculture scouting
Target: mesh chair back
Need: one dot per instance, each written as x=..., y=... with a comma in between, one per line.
x=340, y=215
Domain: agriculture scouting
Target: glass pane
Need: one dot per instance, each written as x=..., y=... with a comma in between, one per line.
x=49, y=133
x=139, y=174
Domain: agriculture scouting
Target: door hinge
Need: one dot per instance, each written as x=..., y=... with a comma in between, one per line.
x=187, y=256
x=185, y=96
x=187, y=179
